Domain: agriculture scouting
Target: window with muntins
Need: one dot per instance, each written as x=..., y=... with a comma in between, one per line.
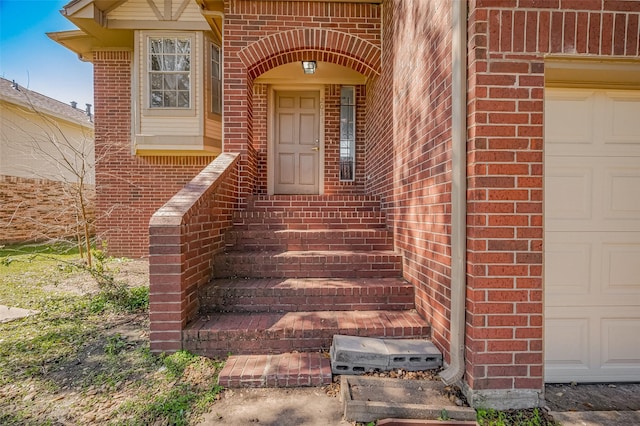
x=347, y=133
x=169, y=72
x=216, y=80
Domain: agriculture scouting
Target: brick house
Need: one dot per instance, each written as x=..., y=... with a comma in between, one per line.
x=39, y=197
x=335, y=164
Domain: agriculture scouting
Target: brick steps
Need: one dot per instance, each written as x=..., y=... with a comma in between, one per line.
x=351, y=203
x=310, y=294
x=309, y=264
x=283, y=370
x=320, y=239
x=298, y=270
x=220, y=334
x=308, y=220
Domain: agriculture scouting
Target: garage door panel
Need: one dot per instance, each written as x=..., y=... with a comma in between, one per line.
x=565, y=265
x=592, y=269
x=620, y=119
x=621, y=269
x=568, y=192
x=602, y=123
x=622, y=194
x=592, y=195
x=592, y=235
x=567, y=343
x=566, y=117
x=621, y=343
x=603, y=347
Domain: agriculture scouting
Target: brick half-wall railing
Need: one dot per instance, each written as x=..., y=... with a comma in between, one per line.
x=184, y=235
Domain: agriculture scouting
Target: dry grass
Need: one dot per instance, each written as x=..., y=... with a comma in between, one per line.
x=84, y=358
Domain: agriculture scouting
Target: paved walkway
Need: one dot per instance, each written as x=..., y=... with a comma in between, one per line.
x=8, y=313
x=277, y=407
x=597, y=418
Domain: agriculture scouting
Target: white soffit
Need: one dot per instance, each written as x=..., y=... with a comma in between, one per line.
x=326, y=73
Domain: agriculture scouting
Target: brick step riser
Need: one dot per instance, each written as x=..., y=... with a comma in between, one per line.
x=253, y=265
x=291, y=369
x=225, y=302
x=316, y=211
x=219, y=344
x=376, y=236
x=302, y=272
x=306, y=226
x=318, y=221
x=271, y=245
x=364, y=204
x=308, y=214
x=256, y=266
x=303, y=241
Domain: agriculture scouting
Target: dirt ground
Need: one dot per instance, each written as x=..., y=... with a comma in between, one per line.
x=95, y=404
x=103, y=371
x=593, y=397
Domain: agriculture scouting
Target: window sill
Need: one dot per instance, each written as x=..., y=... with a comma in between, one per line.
x=176, y=145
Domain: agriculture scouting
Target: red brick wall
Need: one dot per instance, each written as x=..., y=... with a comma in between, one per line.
x=40, y=209
x=129, y=188
x=259, y=36
x=505, y=170
x=379, y=156
x=409, y=149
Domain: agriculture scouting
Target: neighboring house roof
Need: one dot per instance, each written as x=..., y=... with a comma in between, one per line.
x=15, y=94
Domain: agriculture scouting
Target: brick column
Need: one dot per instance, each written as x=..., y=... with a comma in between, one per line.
x=504, y=230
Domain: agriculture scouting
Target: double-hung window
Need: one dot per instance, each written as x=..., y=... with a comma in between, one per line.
x=169, y=72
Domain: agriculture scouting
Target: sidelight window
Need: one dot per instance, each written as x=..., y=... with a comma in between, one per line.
x=347, y=133
x=216, y=80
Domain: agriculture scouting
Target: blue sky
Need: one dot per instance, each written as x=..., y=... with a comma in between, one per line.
x=35, y=61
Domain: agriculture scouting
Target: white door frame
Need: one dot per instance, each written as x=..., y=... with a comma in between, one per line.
x=271, y=107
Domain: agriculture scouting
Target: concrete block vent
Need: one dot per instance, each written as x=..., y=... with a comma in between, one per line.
x=357, y=355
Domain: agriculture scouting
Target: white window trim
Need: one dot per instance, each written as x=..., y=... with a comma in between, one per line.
x=144, y=68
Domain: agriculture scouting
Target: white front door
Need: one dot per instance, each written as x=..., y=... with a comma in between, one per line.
x=592, y=235
x=297, y=142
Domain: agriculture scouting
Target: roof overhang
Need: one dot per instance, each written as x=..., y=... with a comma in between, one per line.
x=93, y=33
x=213, y=12
x=97, y=32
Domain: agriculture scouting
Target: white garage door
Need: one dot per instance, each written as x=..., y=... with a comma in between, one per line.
x=592, y=235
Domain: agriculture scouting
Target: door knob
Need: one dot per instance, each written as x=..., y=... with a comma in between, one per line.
x=315, y=148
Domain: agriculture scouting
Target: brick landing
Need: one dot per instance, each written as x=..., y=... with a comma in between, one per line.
x=284, y=370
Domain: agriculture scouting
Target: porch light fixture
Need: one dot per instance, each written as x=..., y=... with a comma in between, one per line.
x=309, y=67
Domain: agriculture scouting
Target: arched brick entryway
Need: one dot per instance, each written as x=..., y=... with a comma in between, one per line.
x=243, y=64
x=311, y=44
